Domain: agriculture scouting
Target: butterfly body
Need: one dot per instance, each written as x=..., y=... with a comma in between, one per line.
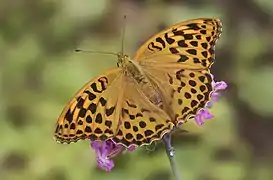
x=135, y=72
x=167, y=82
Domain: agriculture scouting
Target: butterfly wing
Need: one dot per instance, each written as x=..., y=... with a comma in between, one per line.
x=92, y=112
x=142, y=122
x=112, y=106
x=188, y=44
x=177, y=61
x=185, y=91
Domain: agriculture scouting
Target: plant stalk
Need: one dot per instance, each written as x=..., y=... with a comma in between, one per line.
x=171, y=155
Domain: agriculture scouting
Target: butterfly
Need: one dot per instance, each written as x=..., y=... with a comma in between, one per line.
x=143, y=98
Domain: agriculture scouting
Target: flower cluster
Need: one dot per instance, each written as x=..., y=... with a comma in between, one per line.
x=204, y=114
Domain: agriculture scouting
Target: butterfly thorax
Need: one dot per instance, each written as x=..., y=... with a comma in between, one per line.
x=131, y=68
x=122, y=59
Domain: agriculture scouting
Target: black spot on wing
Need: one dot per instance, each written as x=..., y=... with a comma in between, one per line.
x=152, y=46
x=177, y=33
x=160, y=40
x=168, y=39
x=183, y=58
x=193, y=26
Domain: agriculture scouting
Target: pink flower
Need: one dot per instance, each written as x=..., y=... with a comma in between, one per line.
x=105, y=151
x=204, y=114
x=217, y=87
x=201, y=115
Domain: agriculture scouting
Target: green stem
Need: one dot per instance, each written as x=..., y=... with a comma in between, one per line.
x=170, y=152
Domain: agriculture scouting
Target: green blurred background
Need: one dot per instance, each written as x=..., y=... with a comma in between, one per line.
x=40, y=72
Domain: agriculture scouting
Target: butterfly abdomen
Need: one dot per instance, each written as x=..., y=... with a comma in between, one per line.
x=150, y=91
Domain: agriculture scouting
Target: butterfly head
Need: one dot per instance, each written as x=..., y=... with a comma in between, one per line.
x=122, y=59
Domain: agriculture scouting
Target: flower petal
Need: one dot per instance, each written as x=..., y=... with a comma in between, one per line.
x=102, y=149
x=206, y=114
x=220, y=85
x=105, y=150
x=209, y=104
x=105, y=164
x=96, y=146
x=202, y=115
x=198, y=120
x=215, y=96
x=131, y=148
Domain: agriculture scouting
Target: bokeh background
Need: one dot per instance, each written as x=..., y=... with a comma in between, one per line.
x=40, y=72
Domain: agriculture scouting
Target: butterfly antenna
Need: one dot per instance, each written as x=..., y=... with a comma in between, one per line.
x=95, y=52
x=123, y=34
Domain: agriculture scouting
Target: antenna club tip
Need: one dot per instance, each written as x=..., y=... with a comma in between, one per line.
x=77, y=50
x=124, y=16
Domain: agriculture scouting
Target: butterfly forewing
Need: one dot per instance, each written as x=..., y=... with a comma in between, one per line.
x=187, y=44
x=92, y=112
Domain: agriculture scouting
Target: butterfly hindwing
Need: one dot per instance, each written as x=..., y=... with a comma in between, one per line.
x=185, y=91
x=192, y=93
x=141, y=121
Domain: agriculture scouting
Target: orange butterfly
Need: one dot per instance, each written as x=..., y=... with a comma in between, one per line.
x=166, y=83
